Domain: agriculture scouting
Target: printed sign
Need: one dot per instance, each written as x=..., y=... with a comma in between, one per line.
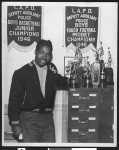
x=23, y=25
x=81, y=26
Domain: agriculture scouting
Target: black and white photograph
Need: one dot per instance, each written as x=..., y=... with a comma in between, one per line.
x=59, y=74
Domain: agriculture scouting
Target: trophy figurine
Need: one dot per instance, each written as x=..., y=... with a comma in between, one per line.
x=78, y=54
x=109, y=59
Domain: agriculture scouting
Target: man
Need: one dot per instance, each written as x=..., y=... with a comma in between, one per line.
x=32, y=96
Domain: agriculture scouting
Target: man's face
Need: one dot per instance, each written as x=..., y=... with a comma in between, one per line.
x=43, y=55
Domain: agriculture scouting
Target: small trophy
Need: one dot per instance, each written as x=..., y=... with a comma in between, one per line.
x=109, y=70
x=109, y=58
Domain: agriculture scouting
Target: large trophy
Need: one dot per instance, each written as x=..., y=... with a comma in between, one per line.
x=87, y=75
x=95, y=69
x=74, y=68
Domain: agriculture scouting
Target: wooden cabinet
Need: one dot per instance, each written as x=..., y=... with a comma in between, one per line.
x=90, y=115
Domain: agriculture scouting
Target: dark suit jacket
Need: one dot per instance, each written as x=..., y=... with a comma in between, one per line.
x=25, y=92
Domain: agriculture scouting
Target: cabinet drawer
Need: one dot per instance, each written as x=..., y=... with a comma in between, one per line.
x=82, y=134
x=107, y=116
x=86, y=109
x=73, y=140
x=107, y=108
x=82, y=97
x=106, y=133
x=86, y=122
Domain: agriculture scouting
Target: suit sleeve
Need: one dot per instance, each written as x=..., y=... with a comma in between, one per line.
x=15, y=96
x=60, y=81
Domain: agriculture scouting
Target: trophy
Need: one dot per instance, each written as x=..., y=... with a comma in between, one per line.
x=73, y=75
x=87, y=75
x=95, y=68
x=109, y=70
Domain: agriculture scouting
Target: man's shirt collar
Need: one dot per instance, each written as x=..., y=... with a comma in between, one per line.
x=44, y=67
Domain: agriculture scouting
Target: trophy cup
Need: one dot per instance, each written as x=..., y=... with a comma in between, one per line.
x=95, y=70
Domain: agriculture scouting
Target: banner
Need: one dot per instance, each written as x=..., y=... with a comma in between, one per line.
x=23, y=27
x=81, y=27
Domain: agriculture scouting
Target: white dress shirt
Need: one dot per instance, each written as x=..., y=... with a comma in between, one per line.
x=42, y=72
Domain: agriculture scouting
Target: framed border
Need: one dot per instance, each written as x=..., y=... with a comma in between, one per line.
x=68, y=61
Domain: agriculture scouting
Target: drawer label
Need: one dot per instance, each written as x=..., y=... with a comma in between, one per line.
x=92, y=106
x=74, y=130
x=91, y=130
x=75, y=118
x=92, y=118
x=76, y=94
x=75, y=106
x=92, y=94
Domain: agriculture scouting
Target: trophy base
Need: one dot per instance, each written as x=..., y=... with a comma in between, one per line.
x=109, y=72
x=95, y=85
x=87, y=86
x=74, y=84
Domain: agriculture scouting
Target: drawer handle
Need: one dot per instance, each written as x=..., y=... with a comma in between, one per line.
x=82, y=121
x=84, y=98
x=83, y=133
x=90, y=118
x=84, y=110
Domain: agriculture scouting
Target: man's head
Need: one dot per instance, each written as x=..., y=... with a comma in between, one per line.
x=43, y=52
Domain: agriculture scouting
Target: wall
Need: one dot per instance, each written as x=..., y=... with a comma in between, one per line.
x=53, y=26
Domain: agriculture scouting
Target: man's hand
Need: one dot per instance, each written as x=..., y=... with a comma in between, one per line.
x=16, y=131
x=74, y=77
